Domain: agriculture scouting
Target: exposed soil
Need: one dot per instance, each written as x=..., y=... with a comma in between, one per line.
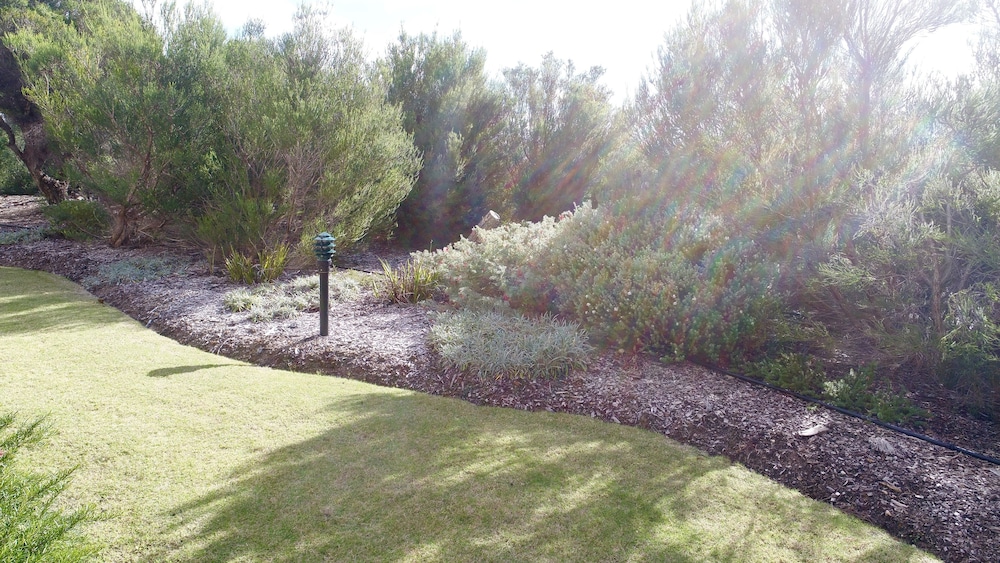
x=935, y=498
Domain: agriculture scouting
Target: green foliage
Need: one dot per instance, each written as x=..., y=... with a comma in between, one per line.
x=455, y=118
x=854, y=392
x=796, y=372
x=108, y=103
x=249, y=141
x=279, y=301
x=131, y=270
x=970, y=363
x=241, y=268
x=78, y=219
x=503, y=344
x=307, y=134
x=918, y=283
x=268, y=266
x=272, y=263
x=560, y=123
x=635, y=277
x=23, y=236
x=14, y=177
x=410, y=282
x=31, y=529
x=243, y=224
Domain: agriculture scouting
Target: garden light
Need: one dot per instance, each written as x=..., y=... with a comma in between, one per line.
x=323, y=248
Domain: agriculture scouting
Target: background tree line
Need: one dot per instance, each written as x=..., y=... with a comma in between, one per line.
x=775, y=138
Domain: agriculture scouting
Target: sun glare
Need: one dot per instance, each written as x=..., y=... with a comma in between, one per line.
x=621, y=37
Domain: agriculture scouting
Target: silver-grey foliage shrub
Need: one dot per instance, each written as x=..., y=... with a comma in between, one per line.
x=492, y=343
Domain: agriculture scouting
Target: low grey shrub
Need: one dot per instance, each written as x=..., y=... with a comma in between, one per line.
x=22, y=236
x=492, y=343
x=285, y=300
x=131, y=270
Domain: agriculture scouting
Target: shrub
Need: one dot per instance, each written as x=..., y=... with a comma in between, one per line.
x=854, y=392
x=411, y=282
x=78, y=219
x=657, y=279
x=281, y=301
x=130, y=270
x=22, y=236
x=272, y=262
x=30, y=528
x=795, y=372
x=14, y=177
x=269, y=266
x=916, y=285
x=240, y=268
x=969, y=350
x=491, y=343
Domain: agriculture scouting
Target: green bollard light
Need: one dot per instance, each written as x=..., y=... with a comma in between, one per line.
x=323, y=248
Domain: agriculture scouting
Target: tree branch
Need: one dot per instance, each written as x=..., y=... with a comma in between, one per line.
x=11, y=137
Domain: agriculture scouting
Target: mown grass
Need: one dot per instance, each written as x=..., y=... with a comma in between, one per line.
x=194, y=457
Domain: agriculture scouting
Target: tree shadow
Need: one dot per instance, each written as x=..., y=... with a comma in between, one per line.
x=177, y=370
x=410, y=477
x=39, y=311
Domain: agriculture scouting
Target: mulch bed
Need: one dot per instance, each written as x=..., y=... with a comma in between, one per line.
x=937, y=499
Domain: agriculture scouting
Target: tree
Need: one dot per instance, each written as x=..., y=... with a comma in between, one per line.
x=103, y=90
x=453, y=114
x=20, y=118
x=308, y=143
x=560, y=125
x=876, y=36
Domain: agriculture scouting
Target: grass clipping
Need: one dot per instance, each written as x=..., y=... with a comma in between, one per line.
x=498, y=344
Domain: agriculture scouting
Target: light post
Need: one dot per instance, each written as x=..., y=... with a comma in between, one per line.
x=323, y=247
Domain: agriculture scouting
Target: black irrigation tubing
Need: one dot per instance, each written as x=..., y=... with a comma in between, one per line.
x=857, y=415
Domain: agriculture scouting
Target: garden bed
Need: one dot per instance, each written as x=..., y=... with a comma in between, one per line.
x=932, y=497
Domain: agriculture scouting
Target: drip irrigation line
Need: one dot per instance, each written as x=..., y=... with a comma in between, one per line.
x=857, y=415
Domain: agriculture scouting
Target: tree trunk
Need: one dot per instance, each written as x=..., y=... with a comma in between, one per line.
x=20, y=112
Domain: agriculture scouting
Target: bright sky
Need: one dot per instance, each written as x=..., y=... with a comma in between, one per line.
x=620, y=35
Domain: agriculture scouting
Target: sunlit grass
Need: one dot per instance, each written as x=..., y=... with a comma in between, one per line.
x=195, y=457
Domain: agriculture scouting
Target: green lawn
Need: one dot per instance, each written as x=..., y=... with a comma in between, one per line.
x=195, y=457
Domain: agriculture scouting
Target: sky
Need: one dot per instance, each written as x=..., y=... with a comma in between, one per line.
x=620, y=35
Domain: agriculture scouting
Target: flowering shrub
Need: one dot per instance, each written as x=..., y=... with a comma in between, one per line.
x=651, y=278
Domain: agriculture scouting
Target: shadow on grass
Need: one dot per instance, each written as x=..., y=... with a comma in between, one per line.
x=418, y=478
x=23, y=314
x=177, y=370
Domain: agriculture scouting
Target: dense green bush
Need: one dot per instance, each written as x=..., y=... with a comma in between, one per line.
x=267, y=267
x=916, y=286
x=636, y=277
x=855, y=391
x=500, y=343
x=78, y=219
x=31, y=529
x=14, y=177
x=795, y=372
